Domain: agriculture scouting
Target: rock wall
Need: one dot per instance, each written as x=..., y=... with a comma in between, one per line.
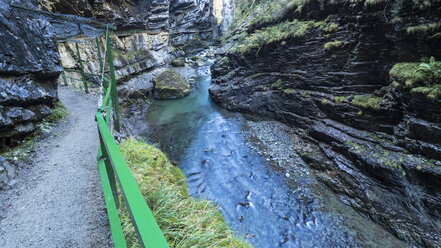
x=323, y=67
x=133, y=56
x=29, y=68
x=184, y=20
x=149, y=35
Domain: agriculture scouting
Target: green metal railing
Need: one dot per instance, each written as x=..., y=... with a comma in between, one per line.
x=115, y=173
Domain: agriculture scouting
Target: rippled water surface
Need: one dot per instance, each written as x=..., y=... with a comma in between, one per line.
x=254, y=198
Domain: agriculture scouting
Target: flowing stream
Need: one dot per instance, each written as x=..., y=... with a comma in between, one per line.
x=257, y=200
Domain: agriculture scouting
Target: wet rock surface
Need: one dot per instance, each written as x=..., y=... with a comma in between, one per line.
x=29, y=67
x=371, y=142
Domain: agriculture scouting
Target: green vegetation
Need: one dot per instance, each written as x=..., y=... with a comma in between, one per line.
x=277, y=85
x=423, y=78
x=289, y=91
x=333, y=45
x=373, y=2
x=58, y=112
x=277, y=33
x=367, y=101
x=306, y=94
x=331, y=27
x=423, y=28
x=184, y=221
x=179, y=62
x=22, y=150
x=257, y=13
x=325, y=101
x=432, y=92
x=339, y=99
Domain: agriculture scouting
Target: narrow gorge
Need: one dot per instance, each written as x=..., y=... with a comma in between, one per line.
x=284, y=123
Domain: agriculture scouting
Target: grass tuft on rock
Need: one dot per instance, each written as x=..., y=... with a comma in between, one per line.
x=339, y=99
x=185, y=222
x=58, y=112
x=367, y=101
x=333, y=45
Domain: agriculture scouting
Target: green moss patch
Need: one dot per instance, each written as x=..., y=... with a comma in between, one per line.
x=423, y=78
x=289, y=91
x=339, y=99
x=423, y=28
x=277, y=33
x=184, y=221
x=333, y=45
x=432, y=92
x=179, y=62
x=367, y=101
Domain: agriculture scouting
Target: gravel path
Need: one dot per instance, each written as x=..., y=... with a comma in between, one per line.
x=59, y=202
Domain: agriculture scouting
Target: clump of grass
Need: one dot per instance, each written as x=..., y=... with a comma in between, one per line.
x=184, y=221
x=339, y=99
x=58, y=112
x=367, y=101
x=333, y=45
x=324, y=101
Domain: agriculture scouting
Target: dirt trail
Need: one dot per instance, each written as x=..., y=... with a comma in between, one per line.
x=59, y=203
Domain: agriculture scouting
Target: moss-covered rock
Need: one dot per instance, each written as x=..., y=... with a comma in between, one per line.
x=179, y=62
x=170, y=84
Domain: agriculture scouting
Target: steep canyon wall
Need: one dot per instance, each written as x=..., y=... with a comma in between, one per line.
x=369, y=126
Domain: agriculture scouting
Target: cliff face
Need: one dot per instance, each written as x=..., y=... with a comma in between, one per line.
x=184, y=20
x=29, y=68
x=149, y=35
x=323, y=67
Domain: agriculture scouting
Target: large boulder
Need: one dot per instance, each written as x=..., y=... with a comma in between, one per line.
x=170, y=84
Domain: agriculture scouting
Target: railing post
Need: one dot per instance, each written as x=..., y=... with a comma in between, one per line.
x=83, y=76
x=114, y=92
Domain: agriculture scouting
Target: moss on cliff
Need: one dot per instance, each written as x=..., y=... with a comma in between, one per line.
x=185, y=222
x=367, y=101
x=423, y=78
x=277, y=33
x=333, y=45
